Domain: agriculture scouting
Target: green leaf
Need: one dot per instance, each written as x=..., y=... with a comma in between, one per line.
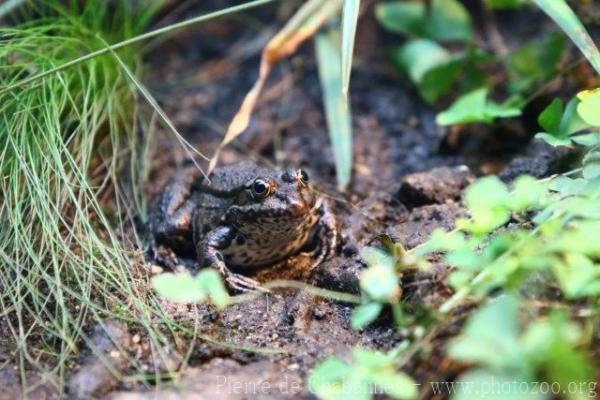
x=182, y=287
x=380, y=283
x=551, y=343
x=449, y=21
x=407, y=17
x=327, y=379
x=591, y=165
x=589, y=107
x=550, y=118
x=564, y=17
x=468, y=108
x=349, y=22
x=535, y=62
x=364, y=314
x=439, y=80
x=474, y=107
x=487, y=199
x=212, y=284
x=395, y=384
x=337, y=109
x=570, y=123
x=577, y=276
x=490, y=336
x=491, y=385
x=419, y=56
x=374, y=256
x=526, y=193
x=588, y=139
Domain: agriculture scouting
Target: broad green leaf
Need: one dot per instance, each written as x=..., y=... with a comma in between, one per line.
x=464, y=258
x=349, y=22
x=564, y=17
x=337, y=109
x=587, y=139
x=439, y=80
x=491, y=385
x=395, y=384
x=212, y=284
x=328, y=378
x=449, y=21
x=589, y=107
x=577, y=276
x=591, y=165
x=468, y=108
x=364, y=314
x=553, y=140
x=419, y=56
x=379, y=281
x=551, y=117
x=490, y=336
x=487, y=199
x=374, y=256
x=474, y=107
x=526, y=193
x=535, y=62
x=570, y=123
x=182, y=287
x=406, y=17
x=551, y=343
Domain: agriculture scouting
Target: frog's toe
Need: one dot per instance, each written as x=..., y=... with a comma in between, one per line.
x=242, y=283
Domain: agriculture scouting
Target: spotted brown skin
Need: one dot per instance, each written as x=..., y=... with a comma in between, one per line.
x=246, y=217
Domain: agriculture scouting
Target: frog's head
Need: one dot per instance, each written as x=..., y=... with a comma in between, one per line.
x=275, y=193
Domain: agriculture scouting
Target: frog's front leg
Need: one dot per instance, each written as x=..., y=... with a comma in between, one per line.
x=327, y=232
x=209, y=254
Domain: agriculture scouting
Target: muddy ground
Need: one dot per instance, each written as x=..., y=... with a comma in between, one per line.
x=407, y=180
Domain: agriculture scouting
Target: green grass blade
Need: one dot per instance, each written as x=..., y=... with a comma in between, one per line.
x=349, y=22
x=137, y=39
x=337, y=109
x=564, y=17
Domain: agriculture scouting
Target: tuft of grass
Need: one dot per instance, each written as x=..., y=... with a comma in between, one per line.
x=69, y=152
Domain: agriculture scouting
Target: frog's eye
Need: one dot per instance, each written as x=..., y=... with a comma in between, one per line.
x=261, y=188
x=303, y=176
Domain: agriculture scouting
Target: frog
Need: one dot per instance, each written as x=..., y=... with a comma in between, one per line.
x=244, y=216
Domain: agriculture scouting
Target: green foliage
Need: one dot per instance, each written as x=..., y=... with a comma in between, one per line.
x=370, y=372
x=64, y=140
x=475, y=107
x=447, y=20
x=561, y=123
x=184, y=288
x=535, y=62
x=428, y=64
x=503, y=351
